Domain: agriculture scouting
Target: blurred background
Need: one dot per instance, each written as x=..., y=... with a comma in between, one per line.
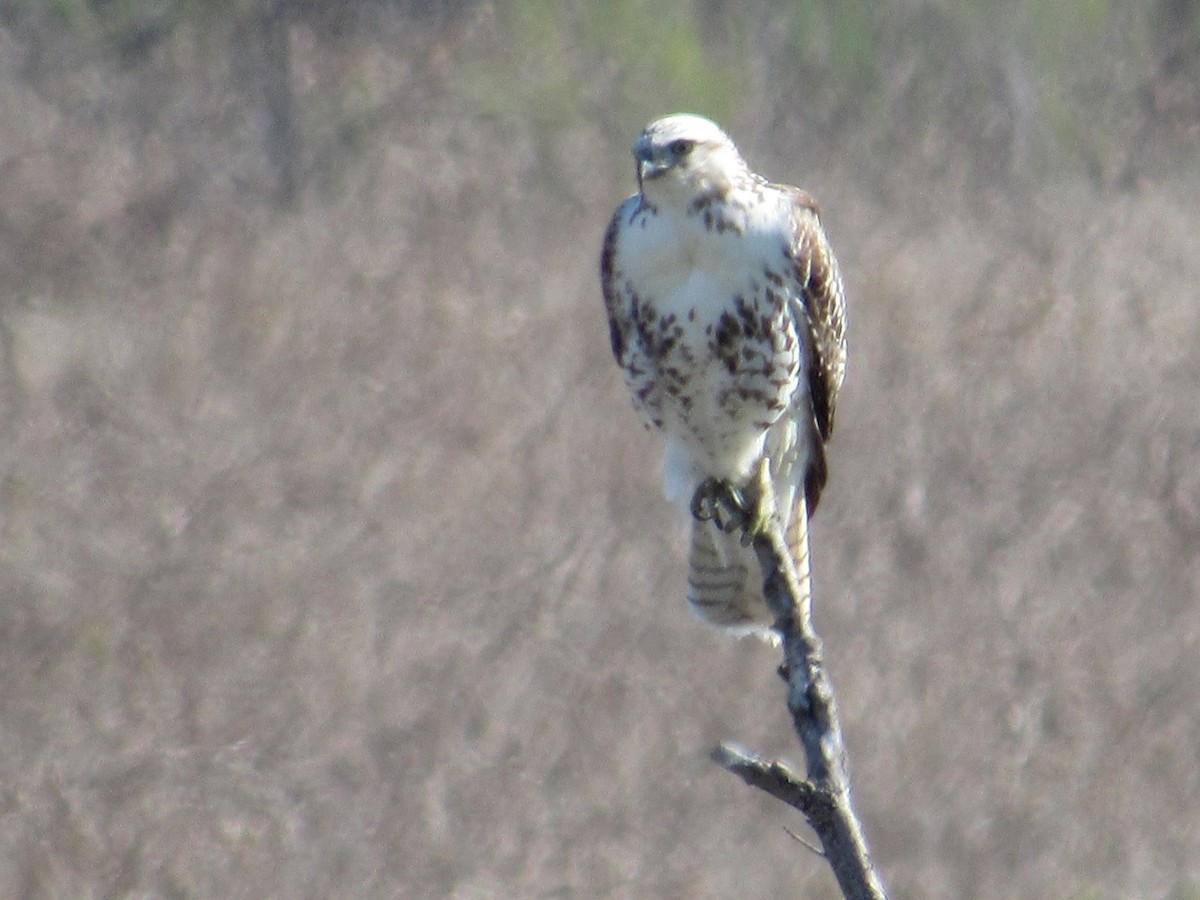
x=333, y=558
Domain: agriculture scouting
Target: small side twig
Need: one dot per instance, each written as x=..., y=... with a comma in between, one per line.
x=804, y=843
x=824, y=795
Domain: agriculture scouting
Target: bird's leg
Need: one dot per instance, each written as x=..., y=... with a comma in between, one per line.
x=762, y=496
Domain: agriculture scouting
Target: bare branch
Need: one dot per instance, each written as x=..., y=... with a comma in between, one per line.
x=824, y=796
x=772, y=776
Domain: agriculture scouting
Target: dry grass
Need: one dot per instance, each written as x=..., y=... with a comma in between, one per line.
x=333, y=561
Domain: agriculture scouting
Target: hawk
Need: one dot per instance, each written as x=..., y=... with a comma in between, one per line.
x=726, y=313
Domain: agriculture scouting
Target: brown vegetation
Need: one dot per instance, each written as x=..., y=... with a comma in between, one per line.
x=334, y=563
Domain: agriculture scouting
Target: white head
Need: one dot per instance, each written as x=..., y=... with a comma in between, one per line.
x=686, y=154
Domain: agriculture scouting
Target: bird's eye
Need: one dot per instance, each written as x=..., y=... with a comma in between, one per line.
x=681, y=147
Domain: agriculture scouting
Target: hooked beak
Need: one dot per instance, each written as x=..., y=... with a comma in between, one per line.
x=649, y=164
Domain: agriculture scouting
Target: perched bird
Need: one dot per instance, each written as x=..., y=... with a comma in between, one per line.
x=726, y=313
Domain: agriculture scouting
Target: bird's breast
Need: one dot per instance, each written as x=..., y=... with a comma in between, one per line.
x=686, y=267
x=713, y=354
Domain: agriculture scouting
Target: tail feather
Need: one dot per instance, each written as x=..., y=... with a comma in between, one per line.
x=725, y=582
x=724, y=585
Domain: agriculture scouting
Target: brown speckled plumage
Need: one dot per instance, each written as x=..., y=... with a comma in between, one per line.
x=726, y=314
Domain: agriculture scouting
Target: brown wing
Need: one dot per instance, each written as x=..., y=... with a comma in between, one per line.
x=823, y=307
x=619, y=325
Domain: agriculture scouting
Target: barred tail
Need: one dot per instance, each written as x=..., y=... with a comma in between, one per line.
x=724, y=582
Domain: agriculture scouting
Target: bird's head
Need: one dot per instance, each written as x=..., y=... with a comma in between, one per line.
x=686, y=154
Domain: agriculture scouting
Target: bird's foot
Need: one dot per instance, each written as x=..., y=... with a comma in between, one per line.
x=721, y=503
x=726, y=506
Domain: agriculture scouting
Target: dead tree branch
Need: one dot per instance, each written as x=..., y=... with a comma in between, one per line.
x=824, y=795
